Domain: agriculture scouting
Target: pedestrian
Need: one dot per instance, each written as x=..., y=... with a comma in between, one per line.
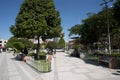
x=14, y=52
x=0, y=50
x=49, y=57
x=25, y=51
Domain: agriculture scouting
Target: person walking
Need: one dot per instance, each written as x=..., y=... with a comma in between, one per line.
x=14, y=52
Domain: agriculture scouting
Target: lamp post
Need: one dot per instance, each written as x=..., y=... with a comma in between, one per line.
x=107, y=17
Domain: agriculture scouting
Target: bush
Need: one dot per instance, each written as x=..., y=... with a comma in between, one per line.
x=112, y=55
x=99, y=53
x=40, y=56
x=31, y=54
x=42, y=53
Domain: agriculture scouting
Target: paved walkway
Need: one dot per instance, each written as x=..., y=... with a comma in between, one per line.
x=12, y=69
x=70, y=68
x=3, y=67
x=63, y=68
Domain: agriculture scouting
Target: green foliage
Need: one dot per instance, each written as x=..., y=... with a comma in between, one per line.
x=94, y=29
x=19, y=43
x=76, y=30
x=61, y=43
x=116, y=32
x=42, y=53
x=51, y=45
x=101, y=53
x=37, y=17
x=27, y=43
x=116, y=8
x=76, y=46
x=31, y=54
x=11, y=42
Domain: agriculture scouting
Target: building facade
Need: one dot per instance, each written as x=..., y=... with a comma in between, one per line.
x=35, y=41
x=2, y=44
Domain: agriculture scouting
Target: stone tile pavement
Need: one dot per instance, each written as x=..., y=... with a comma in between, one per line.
x=63, y=68
x=71, y=68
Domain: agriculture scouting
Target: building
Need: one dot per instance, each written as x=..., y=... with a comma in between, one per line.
x=2, y=44
x=56, y=40
x=35, y=41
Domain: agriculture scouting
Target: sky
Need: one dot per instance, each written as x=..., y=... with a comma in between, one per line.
x=72, y=12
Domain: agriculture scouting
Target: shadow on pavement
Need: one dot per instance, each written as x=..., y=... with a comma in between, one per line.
x=16, y=58
x=86, y=61
x=67, y=56
x=116, y=73
x=91, y=62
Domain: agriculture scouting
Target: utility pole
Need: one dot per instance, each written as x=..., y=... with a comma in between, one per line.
x=108, y=26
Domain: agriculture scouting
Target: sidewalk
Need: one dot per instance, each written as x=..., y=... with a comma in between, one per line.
x=19, y=70
x=63, y=68
x=71, y=68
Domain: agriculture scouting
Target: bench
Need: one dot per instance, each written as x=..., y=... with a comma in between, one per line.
x=111, y=61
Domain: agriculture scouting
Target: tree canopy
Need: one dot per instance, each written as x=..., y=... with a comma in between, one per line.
x=94, y=28
x=61, y=43
x=19, y=44
x=37, y=18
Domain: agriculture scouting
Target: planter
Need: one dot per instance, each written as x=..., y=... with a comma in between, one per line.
x=44, y=66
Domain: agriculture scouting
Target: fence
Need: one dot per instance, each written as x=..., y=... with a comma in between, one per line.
x=40, y=65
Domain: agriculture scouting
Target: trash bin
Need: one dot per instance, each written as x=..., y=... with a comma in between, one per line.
x=113, y=63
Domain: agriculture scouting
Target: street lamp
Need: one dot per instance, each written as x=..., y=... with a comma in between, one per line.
x=107, y=17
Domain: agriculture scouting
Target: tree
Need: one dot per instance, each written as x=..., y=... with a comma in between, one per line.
x=37, y=18
x=19, y=43
x=116, y=39
x=51, y=45
x=27, y=43
x=11, y=41
x=116, y=8
x=88, y=30
x=61, y=42
x=19, y=46
x=94, y=29
x=116, y=31
x=76, y=30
